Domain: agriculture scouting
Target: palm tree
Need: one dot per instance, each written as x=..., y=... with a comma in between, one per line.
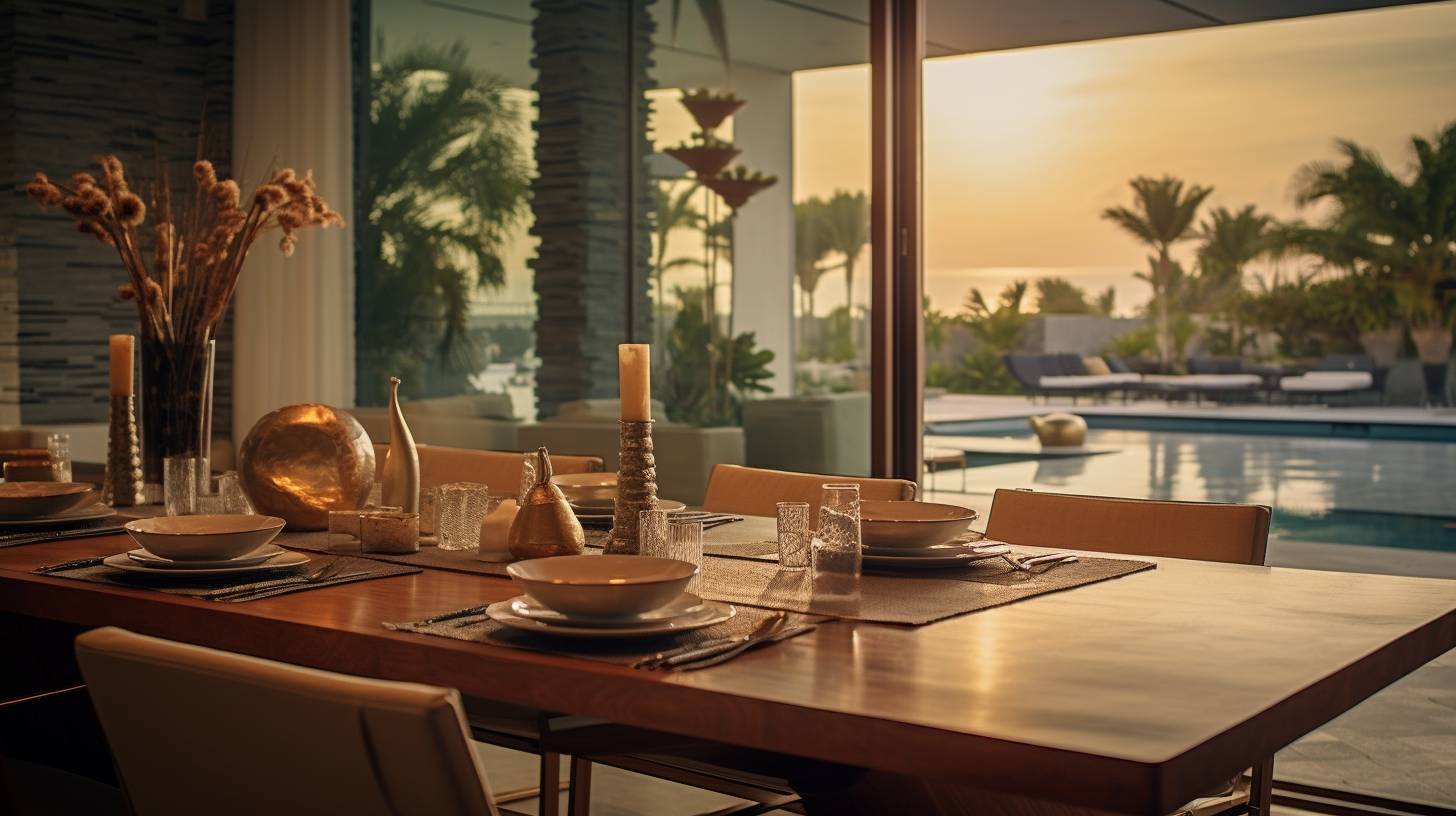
x=846, y=218
x=1163, y=216
x=810, y=246
x=673, y=210
x=1402, y=229
x=445, y=175
x=1230, y=242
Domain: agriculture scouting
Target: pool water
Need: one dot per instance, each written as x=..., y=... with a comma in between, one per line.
x=1343, y=491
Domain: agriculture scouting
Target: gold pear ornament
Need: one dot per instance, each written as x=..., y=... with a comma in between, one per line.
x=545, y=525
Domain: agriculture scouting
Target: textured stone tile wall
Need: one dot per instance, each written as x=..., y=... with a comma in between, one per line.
x=129, y=77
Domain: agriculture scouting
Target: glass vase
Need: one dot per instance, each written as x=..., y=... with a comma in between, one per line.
x=176, y=391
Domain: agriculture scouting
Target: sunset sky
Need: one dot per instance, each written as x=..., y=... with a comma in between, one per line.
x=1024, y=149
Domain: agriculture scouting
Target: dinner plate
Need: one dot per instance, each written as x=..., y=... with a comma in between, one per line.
x=682, y=607
x=607, y=511
x=122, y=561
x=258, y=556
x=935, y=551
x=959, y=559
x=88, y=513
x=711, y=613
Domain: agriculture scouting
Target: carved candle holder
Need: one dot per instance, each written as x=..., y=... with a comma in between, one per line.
x=123, y=485
x=636, y=487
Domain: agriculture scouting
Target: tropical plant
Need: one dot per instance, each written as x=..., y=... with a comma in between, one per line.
x=674, y=210
x=1162, y=215
x=444, y=176
x=1231, y=240
x=1403, y=229
x=687, y=388
x=979, y=372
x=846, y=225
x=811, y=244
x=1061, y=296
x=1106, y=301
x=1140, y=342
x=938, y=325
x=998, y=329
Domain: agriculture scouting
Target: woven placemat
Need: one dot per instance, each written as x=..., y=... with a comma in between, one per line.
x=86, y=529
x=223, y=588
x=618, y=651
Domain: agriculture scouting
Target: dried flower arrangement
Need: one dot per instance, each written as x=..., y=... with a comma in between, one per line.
x=195, y=264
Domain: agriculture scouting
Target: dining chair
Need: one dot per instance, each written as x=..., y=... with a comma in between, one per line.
x=757, y=491
x=1204, y=531
x=501, y=470
x=197, y=730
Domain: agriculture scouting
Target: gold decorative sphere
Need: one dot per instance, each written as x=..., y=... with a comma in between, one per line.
x=301, y=461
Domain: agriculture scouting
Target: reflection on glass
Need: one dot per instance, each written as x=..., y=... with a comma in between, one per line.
x=836, y=549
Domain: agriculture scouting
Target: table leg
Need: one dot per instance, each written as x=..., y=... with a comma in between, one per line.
x=1261, y=790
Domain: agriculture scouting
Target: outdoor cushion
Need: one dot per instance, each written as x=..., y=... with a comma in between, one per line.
x=1319, y=381
x=1095, y=365
x=1072, y=365
x=485, y=406
x=1210, y=382
x=1089, y=381
x=1117, y=365
x=1049, y=365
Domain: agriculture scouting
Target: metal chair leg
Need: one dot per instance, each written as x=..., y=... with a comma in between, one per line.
x=1261, y=788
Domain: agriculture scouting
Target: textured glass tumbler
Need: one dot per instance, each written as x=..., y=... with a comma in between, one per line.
x=836, y=555
x=652, y=533
x=429, y=511
x=462, y=509
x=234, y=500
x=179, y=485
x=685, y=543
x=528, y=478
x=793, y=535
x=59, y=445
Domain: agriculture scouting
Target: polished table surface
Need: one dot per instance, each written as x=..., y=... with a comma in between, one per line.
x=1132, y=695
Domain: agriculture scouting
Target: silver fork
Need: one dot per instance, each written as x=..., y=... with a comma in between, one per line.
x=1025, y=564
x=323, y=573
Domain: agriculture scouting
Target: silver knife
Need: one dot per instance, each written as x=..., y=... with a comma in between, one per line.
x=783, y=634
x=764, y=630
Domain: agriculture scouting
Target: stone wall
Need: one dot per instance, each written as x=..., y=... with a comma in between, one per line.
x=591, y=195
x=128, y=77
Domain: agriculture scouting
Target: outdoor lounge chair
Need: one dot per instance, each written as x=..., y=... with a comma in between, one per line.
x=1049, y=375
x=1345, y=374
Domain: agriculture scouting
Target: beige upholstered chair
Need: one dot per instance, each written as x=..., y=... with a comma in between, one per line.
x=195, y=730
x=501, y=470
x=755, y=491
x=1229, y=533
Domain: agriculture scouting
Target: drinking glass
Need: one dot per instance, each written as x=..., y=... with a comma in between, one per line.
x=462, y=509
x=836, y=548
x=179, y=485
x=793, y=535
x=234, y=500
x=652, y=533
x=685, y=543
x=429, y=510
x=59, y=445
x=344, y=529
x=528, y=478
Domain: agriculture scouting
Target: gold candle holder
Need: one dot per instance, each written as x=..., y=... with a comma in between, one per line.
x=636, y=486
x=123, y=485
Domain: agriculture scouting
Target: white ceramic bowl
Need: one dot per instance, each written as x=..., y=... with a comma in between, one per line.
x=588, y=489
x=911, y=524
x=204, y=538
x=32, y=500
x=602, y=586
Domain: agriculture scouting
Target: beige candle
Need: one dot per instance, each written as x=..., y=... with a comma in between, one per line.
x=635, y=377
x=121, y=365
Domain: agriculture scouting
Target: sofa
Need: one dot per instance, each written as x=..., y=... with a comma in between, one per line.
x=685, y=454
x=821, y=434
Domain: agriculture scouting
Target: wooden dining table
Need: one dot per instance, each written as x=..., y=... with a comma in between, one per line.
x=1131, y=695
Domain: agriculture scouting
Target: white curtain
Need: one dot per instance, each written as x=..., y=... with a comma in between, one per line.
x=294, y=339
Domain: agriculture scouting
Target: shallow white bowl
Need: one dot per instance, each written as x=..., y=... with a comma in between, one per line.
x=602, y=586
x=588, y=489
x=898, y=524
x=30, y=500
x=204, y=538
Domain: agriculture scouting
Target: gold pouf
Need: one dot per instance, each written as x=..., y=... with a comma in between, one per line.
x=1060, y=430
x=301, y=461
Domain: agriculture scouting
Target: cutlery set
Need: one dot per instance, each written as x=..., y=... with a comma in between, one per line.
x=703, y=655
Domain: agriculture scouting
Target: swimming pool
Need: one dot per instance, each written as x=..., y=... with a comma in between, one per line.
x=1341, y=491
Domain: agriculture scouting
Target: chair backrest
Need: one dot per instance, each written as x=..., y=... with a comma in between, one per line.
x=1116, y=364
x=756, y=491
x=1202, y=365
x=1024, y=368
x=196, y=730
x=1348, y=362
x=1050, y=365
x=500, y=470
x=1232, y=533
x=1072, y=364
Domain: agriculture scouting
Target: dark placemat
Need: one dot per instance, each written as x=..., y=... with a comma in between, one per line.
x=618, y=651
x=221, y=588
x=85, y=529
x=920, y=597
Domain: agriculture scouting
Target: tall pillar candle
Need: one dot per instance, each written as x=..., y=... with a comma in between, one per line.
x=634, y=375
x=123, y=483
x=122, y=375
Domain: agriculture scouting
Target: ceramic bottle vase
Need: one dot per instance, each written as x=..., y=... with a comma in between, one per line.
x=402, y=466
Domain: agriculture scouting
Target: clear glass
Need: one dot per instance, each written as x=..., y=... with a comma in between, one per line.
x=652, y=533
x=462, y=508
x=495, y=529
x=234, y=500
x=59, y=444
x=344, y=529
x=179, y=485
x=528, y=478
x=429, y=510
x=836, y=550
x=685, y=543
x=209, y=504
x=794, y=535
